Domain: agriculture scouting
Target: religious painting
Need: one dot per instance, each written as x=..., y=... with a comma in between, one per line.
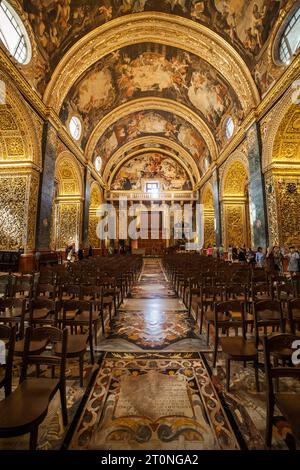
x=59, y=24
x=151, y=166
x=147, y=123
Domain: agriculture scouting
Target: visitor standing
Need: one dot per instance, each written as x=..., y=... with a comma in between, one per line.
x=260, y=257
x=293, y=257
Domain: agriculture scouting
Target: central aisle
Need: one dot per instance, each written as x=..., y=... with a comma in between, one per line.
x=153, y=389
x=152, y=317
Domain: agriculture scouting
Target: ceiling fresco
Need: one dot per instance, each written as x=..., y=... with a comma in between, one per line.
x=151, y=166
x=151, y=70
x=155, y=123
x=58, y=24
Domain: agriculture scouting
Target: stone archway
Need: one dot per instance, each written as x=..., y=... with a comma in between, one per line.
x=68, y=205
x=235, y=204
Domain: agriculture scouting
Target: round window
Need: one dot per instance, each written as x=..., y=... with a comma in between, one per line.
x=229, y=128
x=75, y=127
x=98, y=163
x=13, y=34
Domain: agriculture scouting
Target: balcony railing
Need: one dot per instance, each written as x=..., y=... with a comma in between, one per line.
x=159, y=196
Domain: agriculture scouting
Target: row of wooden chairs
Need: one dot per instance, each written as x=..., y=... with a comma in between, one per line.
x=25, y=408
x=229, y=299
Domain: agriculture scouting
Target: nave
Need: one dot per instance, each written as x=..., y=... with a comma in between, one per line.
x=153, y=384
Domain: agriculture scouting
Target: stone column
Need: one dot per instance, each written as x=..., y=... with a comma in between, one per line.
x=47, y=188
x=257, y=200
x=216, y=195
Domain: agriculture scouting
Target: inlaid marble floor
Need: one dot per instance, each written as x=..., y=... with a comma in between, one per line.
x=153, y=389
x=152, y=318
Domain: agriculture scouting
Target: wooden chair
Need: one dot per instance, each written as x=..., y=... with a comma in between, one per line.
x=78, y=314
x=49, y=291
x=209, y=295
x=94, y=294
x=7, y=338
x=43, y=311
x=288, y=403
x=268, y=314
x=12, y=312
x=294, y=315
x=261, y=291
x=26, y=407
x=285, y=292
x=23, y=287
x=231, y=315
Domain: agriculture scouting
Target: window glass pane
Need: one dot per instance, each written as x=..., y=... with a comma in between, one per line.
x=75, y=128
x=12, y=37
x=290, y=41
x=11, y=34
x=229, y=127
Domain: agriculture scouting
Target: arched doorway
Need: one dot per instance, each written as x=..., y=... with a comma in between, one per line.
x=67, y=218
x=209, y=216
x=235, y=205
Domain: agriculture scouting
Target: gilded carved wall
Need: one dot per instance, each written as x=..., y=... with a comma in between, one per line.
x=283, y=181
x=234, y=202
x=209, y=230
x=270, y=188
x=288, y=191
x=18, y=205
x=209, y=217
x=68, y=224
x=95, y=202
x=235, y=225
x=287, y=142
x=94, y=241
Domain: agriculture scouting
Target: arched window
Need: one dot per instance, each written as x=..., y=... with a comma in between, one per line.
x=13, y=34
x=75, y=127
x=98, y=163
x=290, y=39
x=229, y=127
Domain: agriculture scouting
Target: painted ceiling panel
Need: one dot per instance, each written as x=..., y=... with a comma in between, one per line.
x=151, y=70
x=58, y=24
x=147, y=123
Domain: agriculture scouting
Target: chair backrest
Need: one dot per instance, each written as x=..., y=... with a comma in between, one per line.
x=236, y=290
x=294, y=314
x=213, y=293
x=7, y=338
x=53, y=336
x=46, y=289
x=288, y=289
x=12, y=311
x=276, y=343
x=71, y=289
x=261, y=289
x=42, y=303
x=78, y=306
x=230, y=314
x=268, y=313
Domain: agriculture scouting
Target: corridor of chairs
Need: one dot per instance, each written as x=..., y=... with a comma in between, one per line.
x=121, y=352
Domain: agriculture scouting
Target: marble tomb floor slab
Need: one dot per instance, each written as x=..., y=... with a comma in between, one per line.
x=162, y=401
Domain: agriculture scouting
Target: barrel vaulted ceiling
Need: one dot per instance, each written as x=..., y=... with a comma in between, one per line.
x=167, y=73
